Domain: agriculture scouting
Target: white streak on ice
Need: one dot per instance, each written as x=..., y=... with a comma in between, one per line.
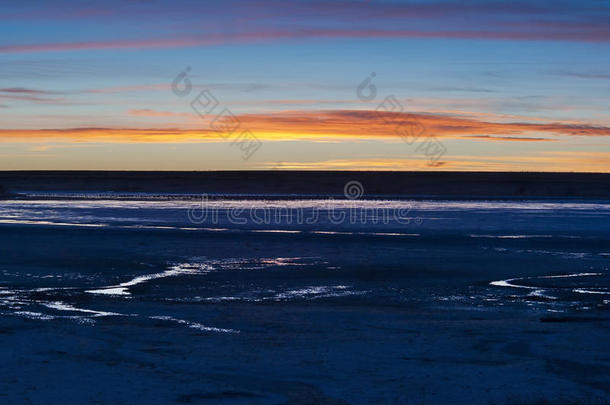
x=194, y=325
x=62, y=306
x=177, y=270
x=572, y=275
x=34, y=315
x=539, y=291
x=508, y=283
x=583, y=291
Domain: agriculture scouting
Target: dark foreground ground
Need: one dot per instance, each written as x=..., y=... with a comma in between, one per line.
x=319, y=183
x=426, y=329
x=130, y=299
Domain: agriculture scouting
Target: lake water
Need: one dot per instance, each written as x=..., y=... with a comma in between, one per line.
x=220, y=267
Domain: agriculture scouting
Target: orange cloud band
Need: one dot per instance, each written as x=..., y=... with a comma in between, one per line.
x=314, y=125
x=594, y=162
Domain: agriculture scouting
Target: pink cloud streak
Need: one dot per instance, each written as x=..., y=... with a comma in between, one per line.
x=590, y=35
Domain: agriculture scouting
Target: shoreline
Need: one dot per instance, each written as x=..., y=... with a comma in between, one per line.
x=289, y=185
x=100, y=196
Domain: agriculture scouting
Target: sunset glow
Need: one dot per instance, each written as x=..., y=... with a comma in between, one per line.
x=340, y=85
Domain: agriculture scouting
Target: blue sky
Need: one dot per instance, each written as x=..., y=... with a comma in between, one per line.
x=499, y=85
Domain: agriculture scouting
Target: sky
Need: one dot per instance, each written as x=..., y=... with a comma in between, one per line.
x=473, y=85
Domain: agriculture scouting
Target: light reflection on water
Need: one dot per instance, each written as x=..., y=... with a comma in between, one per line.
x=380, y=217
